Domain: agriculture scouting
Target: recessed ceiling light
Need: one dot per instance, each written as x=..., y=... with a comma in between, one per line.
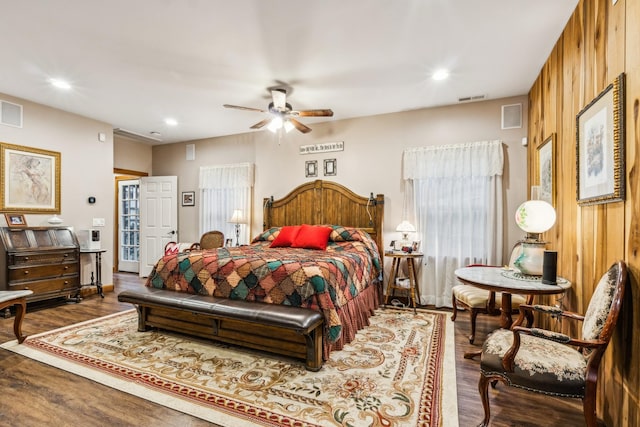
x=60, y=84
x=440, y=74
x=171, y=122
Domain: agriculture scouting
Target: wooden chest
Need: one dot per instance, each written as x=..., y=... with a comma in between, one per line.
x=45, y=260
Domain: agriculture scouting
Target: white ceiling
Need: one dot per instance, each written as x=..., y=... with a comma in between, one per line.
x=133, y=63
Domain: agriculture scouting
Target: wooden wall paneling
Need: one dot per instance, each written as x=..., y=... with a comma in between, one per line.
x=600, y=41
x=626, y=343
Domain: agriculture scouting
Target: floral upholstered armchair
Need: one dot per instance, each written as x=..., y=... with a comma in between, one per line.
x=553, y=363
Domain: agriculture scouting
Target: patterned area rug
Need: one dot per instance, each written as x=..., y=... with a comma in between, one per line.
x=399, y=371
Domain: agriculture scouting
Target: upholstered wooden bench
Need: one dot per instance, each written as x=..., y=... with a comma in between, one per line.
x=290, y=331
x=19, y=299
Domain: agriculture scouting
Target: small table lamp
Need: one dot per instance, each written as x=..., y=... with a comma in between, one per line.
x=238, y=218
x=405, y=227
x=534, y=217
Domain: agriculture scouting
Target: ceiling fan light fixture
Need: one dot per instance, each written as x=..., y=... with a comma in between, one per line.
x=288, y=126
x=275, y=124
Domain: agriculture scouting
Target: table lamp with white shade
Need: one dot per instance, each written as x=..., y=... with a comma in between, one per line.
x=238, y=218
x=534, y=217
x=405, y=227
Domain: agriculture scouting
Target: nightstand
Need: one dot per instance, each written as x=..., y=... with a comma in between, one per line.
x=392, y=285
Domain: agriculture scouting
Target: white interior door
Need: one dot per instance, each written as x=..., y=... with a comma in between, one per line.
x=129, y=225
x=158, y=218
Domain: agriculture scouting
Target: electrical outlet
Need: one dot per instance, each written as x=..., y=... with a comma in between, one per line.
x=98, y=222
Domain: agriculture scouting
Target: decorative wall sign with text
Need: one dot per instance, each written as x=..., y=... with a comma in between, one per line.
x=324, y=147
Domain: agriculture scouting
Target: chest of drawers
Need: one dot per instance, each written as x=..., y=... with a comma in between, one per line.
x=45, y=260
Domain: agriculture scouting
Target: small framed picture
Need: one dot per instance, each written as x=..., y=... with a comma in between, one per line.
x=15, y=220
x=188, y=198
x=311, y=168
x=330, y=167
x=415, y=246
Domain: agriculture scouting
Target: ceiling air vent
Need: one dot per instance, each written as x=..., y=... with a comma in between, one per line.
x=133, y=135
x=10, y=114
x=472, y=98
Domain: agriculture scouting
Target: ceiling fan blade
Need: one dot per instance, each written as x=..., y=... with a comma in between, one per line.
x=302, y=128
x=261, y=123
x=313, y=113
x=279, y=99
x=237, y=107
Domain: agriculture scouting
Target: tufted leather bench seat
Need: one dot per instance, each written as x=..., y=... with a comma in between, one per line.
x=290, y=331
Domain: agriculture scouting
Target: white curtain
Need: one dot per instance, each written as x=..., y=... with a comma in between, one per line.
x=456, y=195
x=223, y=189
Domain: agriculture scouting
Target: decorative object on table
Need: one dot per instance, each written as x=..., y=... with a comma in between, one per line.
x=547, y=169
x=600, y=147
x=549, y=267
x=311, y=168
x=553, y=363
x=188, y=198
x=30, y=179
x=330, y=167
x=55, y=220
x=15, y=220
x=405, y=227
x=534, y=217
x=237, y=219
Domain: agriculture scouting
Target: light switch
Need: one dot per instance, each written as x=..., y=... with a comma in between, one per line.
x=98, y=222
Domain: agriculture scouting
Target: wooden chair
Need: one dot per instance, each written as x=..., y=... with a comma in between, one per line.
x=554, y=363
x=19, y=299
x=212, y=239
x=481, y=301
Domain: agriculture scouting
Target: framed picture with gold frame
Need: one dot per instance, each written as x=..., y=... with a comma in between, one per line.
x=547, y=170
x=600, y=147
x=30, y=179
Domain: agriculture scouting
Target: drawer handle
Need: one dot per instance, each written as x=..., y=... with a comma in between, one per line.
x=26, y=258
x=26, y=272
x=66, y=255
x=66, y=282
x=66, y=267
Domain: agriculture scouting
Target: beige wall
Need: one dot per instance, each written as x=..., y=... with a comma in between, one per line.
x=370, y=162
x=86, y=169
x=131, y=155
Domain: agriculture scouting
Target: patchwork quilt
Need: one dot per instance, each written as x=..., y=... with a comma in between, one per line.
x=321, y=280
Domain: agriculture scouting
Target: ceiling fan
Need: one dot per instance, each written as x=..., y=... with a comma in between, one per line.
x=282, y=115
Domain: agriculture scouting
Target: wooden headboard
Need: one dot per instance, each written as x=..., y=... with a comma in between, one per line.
x=326, y=202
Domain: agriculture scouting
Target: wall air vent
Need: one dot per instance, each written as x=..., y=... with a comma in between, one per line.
x=10, y=114
x=512, y=116
x=137, y=136
x=472, y=98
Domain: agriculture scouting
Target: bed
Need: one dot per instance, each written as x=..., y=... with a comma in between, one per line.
x=343, y=281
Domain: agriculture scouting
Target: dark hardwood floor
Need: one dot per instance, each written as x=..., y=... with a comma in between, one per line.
x=34, y=394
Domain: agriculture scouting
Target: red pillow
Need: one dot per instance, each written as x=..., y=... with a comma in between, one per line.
x=286, y=236
x=312, y=237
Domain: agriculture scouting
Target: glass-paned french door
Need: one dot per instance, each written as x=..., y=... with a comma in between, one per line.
x=129, y=225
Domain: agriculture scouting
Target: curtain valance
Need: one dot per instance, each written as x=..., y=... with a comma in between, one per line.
x=484, y=158
x=236, y=175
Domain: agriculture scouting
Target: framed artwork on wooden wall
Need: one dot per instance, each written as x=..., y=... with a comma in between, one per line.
x=600, y=147
x=547, y=170
x=30, y=179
